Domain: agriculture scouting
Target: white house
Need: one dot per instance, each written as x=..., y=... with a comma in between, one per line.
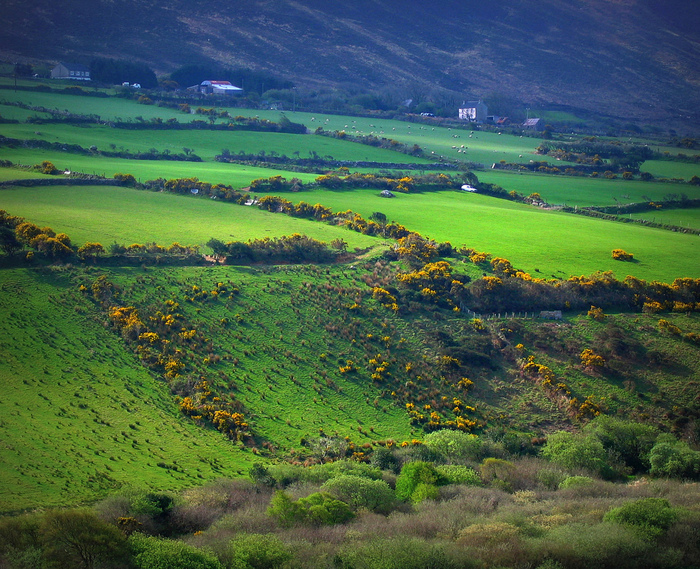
x=473, y=111
x=71, y=71
x=219, y=88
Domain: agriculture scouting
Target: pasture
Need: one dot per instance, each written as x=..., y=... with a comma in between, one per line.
x=584, y=192
x=538, y=241
x=113, y=214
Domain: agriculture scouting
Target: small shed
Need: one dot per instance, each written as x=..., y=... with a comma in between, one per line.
x=71, y=71
x=534, y=124
x=219, y=88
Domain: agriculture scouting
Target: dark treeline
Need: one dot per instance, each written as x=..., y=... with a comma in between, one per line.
x=118, y=71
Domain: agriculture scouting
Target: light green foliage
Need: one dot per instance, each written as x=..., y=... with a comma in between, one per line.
x=651, y=517
x=575, y=451
x=575, y=482
x=458, y=474
x=157, y=553
x=362, y=493
x=396, y=553
x=317, y=509
x=416, y=479
x=326, y=471
x=453, y=446
x=256, y=551
x=673, y=458
x=282, y=475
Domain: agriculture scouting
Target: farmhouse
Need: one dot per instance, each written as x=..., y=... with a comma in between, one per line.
x=71, y=71
x=473, y=111
x=218, y=88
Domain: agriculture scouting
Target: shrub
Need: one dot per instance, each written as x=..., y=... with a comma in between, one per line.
x=498, y=473
x=78, y=538
x=396, y=553
x=622, y=255
x=157, y=553
x=576, y=451
x=453, y=445
x=320, y=508
x=675, y=459
x=582, y=546
x=651, y=517
x=362, y=493
x=457, y=474
x=256, y=551
x=575, y=482
x=413, y=475
x=629, y=441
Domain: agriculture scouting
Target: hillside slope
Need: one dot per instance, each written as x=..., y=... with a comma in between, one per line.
x=632, y=59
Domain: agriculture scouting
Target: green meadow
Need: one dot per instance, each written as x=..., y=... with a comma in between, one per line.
x=110, y=214
x=584, y=192
x=556, y=243
x=679, y=217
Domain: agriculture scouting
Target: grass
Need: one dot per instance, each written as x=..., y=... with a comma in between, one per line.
x=206, y=144
x=238, y=176
x=574, y=244
x=669, y=169
x=80, y=416
x=584, y=192
x=679, y=217
x=124, y=215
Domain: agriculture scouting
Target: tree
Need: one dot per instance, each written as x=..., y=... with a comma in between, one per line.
x=319, y=508
x=78, y=538
x=629, y=441
x=651, y=517
x=416, y=479
x=672, y=458
x=8, y=241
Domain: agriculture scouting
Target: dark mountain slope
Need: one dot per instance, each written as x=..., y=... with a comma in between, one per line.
x=629, y=58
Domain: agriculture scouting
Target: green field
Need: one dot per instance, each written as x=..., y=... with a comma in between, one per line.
x=678, y=217
x=668, y=169
x=553, y=242
x=124, y=215
x=584, y=192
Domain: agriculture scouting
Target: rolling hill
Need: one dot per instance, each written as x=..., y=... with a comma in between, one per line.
x=634, y=59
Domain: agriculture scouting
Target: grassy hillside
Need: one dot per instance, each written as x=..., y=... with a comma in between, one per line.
x=315, y=355
x=81, y=417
